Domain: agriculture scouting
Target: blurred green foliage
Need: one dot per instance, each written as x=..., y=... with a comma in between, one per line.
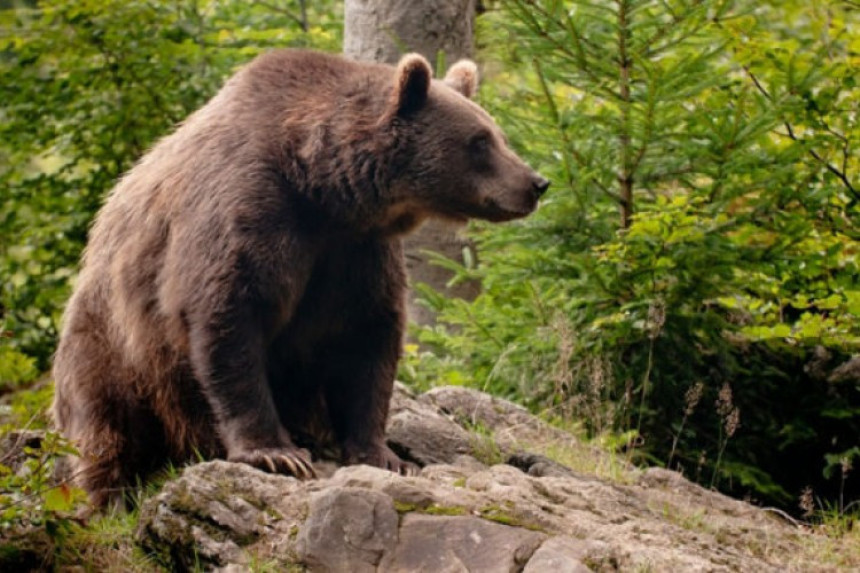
x=88, y=85
x=701, y=229
x=32, y=497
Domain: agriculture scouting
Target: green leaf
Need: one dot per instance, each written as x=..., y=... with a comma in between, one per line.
x=59, y=498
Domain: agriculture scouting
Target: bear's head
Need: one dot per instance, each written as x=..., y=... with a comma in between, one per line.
x=453, y=161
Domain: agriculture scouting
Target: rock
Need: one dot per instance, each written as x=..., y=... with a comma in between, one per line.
x=214, y=511
x=538, y=466
x=821, y=367
x=400, y=490
x=348, y=529
x=560, y=554
x=13, y=443
x=848, y=371
x=533, y=514
x=460, y=543
x=509, y=423
x=511, y=427
x=421, y=433
x=818, y=366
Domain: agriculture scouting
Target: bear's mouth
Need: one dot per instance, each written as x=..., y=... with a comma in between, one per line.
x=495, y=213
x=488, y=209
x=504, y=216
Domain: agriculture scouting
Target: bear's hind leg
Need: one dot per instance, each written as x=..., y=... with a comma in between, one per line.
x=99, y=470
x=96, y=409
x=119, y=445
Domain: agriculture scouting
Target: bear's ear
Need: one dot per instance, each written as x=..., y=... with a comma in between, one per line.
x=463, y=77
x=411, y=84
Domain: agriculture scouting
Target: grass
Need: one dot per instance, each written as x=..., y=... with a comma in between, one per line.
x=597, y=456
x=831, y=539
x=483, y=445
x=834, y=540
x=106, y=543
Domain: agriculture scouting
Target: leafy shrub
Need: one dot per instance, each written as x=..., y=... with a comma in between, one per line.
x=88, y=86
x=36, y=506
x=16, y=369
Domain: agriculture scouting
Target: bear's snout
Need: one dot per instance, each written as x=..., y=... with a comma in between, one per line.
x=540, y=184
x=517, y=199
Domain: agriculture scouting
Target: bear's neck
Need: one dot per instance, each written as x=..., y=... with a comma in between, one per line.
x=346, y=174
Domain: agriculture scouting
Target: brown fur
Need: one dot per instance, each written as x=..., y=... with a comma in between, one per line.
x=242, y=290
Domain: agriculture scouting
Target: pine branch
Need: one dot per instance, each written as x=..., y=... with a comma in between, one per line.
x=301, y=20
x=662, y=31
x=568, y=144
x=840, y=174
x=579, y=56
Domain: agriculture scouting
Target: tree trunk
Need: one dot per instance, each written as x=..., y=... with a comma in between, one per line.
x=381, y=31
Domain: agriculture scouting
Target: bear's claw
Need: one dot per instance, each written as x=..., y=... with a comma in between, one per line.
x=278, y=461
x=380, y=456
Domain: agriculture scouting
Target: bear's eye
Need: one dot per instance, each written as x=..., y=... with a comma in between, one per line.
x=480, y=143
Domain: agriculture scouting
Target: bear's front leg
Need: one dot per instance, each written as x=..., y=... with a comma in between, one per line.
x=359, y=379
x=228, y=358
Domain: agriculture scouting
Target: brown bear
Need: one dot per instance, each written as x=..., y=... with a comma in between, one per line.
x=241, y=295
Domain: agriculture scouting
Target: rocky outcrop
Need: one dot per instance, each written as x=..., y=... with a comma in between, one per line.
x=488, y=499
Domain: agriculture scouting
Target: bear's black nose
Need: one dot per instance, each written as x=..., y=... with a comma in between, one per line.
x=541, y=185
